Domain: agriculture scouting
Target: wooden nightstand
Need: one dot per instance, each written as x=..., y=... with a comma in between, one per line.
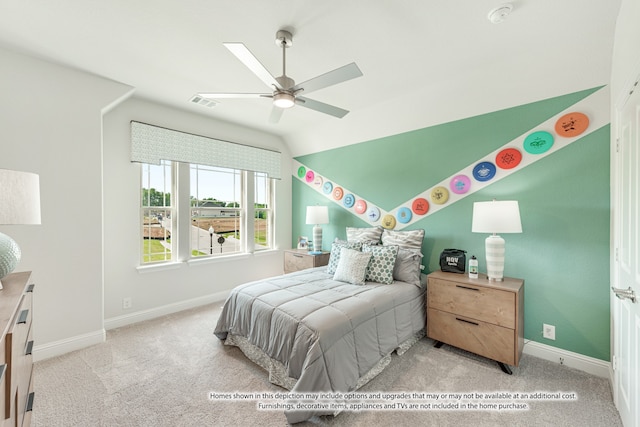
x=477, y=315
x=300, y=259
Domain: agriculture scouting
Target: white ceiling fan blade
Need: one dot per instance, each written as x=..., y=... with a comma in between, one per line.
x=321, y=107
x=234, y=95
x=251, y=62
x=339, y=75
x=276, y=114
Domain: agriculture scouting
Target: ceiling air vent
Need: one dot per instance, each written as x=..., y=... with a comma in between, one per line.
x=197, y=99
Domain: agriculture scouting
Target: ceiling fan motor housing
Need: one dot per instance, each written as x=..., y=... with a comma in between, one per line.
x=284, y=36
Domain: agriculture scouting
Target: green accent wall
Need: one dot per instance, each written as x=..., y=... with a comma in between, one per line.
x=563, y=252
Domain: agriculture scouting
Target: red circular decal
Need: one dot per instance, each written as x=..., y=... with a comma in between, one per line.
x=361, y=206
x=508, y=158
x=420, y=206
x=338, y=193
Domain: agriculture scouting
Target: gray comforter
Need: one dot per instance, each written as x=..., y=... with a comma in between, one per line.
x=327, y=334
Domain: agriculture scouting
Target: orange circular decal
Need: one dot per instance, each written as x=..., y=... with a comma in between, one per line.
x=439, y=195
x=508, y=158
x=420, y=206
x=572, y=124
x=361, y=206
x=389, y=222
x=338, y=192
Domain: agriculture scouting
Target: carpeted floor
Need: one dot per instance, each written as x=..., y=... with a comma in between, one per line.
x=163, y=372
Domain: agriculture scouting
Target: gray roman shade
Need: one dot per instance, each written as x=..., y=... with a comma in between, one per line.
x=151, y=144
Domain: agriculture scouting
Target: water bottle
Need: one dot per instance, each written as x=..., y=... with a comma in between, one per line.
x=473, y=267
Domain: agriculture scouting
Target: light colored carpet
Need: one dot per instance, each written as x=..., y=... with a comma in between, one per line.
x=161, y=373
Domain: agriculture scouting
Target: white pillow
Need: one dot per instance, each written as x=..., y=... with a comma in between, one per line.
x=352, y=267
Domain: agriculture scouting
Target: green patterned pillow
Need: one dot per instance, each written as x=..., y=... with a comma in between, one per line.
x=334, y=257
x=383, y=260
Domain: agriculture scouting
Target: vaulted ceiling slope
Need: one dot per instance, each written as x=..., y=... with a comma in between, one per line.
x=424, y=62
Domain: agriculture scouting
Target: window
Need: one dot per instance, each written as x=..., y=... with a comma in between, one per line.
x=218, y=201
x=157, y=212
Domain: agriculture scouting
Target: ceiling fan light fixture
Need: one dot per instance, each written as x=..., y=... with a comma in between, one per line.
x=283, y=100
x=500, y=13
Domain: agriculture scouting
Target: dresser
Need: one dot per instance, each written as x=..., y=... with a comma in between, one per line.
x=477, y=315
x=300, y=259
x=16, y=384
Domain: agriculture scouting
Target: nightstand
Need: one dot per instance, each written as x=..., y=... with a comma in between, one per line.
x=477, y=315
x=300, y=259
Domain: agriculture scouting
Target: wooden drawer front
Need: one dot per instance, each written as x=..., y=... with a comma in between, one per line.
x=491, y=341
x=20, y=340
x=295, y=262
x=476, y=302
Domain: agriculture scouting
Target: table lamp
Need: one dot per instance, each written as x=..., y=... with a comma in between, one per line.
x=19, y=204
x=496, y=217
x=317, y=215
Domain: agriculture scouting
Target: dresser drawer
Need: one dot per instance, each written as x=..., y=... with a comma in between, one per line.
x=492, y=341
x=477, y=302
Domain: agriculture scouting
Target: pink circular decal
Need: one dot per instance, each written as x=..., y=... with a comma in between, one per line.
x=460, y=184
x=361, y=206
x=309, y=177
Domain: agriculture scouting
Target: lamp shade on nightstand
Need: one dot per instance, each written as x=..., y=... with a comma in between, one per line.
x=317, y=215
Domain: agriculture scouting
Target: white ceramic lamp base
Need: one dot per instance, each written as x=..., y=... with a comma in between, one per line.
x=494, y=252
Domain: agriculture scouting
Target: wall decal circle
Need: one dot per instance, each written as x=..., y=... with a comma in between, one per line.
x=338, y=192
x=317, y=181
x=361, y=206
x=508, y=158
x=572, y=124
x=420, y=206
x=439, y=195
x=373, y=214
x=389, y=222
x=309, y=176
x=302, y=171
x=538, y=142
x=348, y=200
x=460, y=184
x=327, y=188
x=484, y=171
x=404, y=215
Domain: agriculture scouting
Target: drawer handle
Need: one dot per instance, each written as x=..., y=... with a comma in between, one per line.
x=30, y=287
x=467, y=288
x=467, y=321
x=23, y=316
x=297, y=255
x=32, y=396
x=29, y=348
x=3, y=369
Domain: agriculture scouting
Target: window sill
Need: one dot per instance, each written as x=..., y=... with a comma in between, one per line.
x=213, y=260
x=142, y=269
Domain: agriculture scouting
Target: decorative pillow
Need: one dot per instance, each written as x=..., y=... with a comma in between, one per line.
x=411, y=239
x=334, y=257
x=370, y=235
x=352, y=267
x=407, y=266
x=382, y=262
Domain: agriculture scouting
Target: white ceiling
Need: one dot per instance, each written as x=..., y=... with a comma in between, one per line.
x=424, y=61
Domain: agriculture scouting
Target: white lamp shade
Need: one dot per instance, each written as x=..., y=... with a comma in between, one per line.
x=317, y=215
x=496, y=217
x=19, y=197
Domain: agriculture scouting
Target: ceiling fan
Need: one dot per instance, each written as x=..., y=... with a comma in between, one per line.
x=286, y=93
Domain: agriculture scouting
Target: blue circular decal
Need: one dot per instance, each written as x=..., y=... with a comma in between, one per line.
x=327, y=188
x=484, y=171
x=348, y=200
x=373, y=214
x=404, y=215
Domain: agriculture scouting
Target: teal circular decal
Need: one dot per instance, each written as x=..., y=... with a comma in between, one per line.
x=327, y=188
x=484, y=171
x=538, y=142
x=348, y=200
x=404, y=215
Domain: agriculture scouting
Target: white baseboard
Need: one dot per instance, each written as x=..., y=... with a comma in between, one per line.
x=591, y=365
x=57, y=348
x=139, y=316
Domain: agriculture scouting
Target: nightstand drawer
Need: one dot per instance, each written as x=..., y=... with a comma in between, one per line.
x=494, y=342
x=477, y=302
x=296, y=261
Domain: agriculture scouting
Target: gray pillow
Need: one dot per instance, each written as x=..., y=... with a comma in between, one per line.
x=407, y=266
x=370, y=235
x=352, y=267
x=410, y=239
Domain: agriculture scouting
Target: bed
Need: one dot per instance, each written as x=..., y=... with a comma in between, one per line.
x=324, y=330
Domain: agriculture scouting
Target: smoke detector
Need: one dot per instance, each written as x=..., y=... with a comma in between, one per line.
x=500, y=13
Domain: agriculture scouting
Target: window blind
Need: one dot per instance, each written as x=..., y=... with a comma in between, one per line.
x=151, y=144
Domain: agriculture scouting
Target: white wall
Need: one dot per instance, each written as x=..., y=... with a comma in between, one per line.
x=166, y=290
x=50, y=124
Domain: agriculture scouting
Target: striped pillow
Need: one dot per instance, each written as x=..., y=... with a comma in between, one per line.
x=411, y=239
x=370, y=235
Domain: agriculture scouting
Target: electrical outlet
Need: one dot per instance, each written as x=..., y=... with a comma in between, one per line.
x=549, y=331
x=126, y=303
